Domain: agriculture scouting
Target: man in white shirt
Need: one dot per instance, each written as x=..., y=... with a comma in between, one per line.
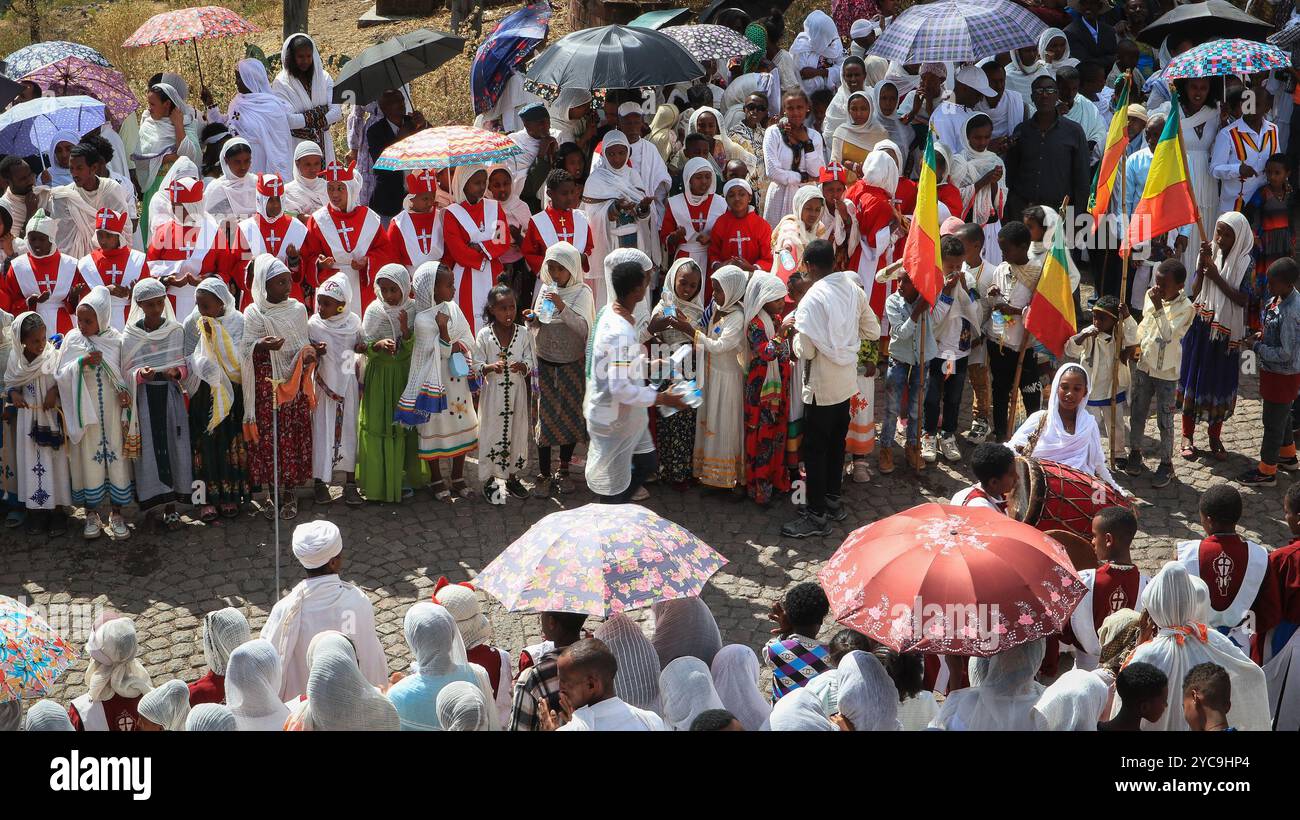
x=322, y=602
x=1242, y=149
x=1004, y=106
x=949, y=119
x=831, y=322
x=586, y=671
x=1081, y=110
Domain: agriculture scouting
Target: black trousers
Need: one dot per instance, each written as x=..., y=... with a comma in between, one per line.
x=946, y=389
x=825, y=427
x=1002, y=370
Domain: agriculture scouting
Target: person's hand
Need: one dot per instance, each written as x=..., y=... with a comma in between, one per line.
x=349, y=158
x=206, y=96
x=994, y=292
x=1255, y=339
x=777, y=616
x=52, y=398
x=123, y=398
x=787, y=324
x=146, y=373
x=495, y=367
x=359, y=265
x=326, y=262
x=1180, y=245
x=1246, y=172
x=309, y=355
x=319, y=347
x=442, y=319
x=44, y=297
x=999, y=145
x=670, y=400
x=1156, y=299
x=556, y=300
x=32, y=301
x=172, y=374
x=269, y=343
x=401, y=321
x=92, y=359
x=1123, y=311
x=388, y=346
x=30, y=202
x=177, y=117
x=1205, y=255
x=291, y=253
x=459, y=347
x=172, y=280
x=869, y=370
x=519, y=367
x=17, y=400
x=549, y=147
x=169, y=158
x=119, y=291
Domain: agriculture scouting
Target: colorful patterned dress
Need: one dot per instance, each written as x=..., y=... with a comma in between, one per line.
x=767, y=409
x=293, y=432
x=1270, y=217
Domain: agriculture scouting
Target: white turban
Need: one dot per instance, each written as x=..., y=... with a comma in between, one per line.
x=630, y=108
x=47, y=716
x=316, y=542
x=211, y=717
x=113, y=668
x=462, y=708
x=168, y=705
x=223, y=630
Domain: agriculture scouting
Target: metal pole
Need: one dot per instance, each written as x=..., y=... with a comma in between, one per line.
x=275, y=477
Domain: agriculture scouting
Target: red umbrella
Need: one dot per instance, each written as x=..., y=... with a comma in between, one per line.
x=194, y=24
x=953, y=580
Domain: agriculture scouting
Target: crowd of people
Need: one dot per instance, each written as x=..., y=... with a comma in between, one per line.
x=697, y=284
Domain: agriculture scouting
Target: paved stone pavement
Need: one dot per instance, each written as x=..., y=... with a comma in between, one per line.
x=167, y=582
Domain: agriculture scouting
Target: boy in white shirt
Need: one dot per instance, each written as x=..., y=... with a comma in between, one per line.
x=1094, y=348
x=955, y=317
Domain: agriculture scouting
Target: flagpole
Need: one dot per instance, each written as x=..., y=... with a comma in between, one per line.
x=1123, y=290
x=1024, y=344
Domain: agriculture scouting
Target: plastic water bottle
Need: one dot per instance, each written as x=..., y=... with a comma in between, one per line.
x=545, y=309
x=690, y=393
x=669, y=311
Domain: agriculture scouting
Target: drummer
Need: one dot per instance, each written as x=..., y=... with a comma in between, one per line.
x=1064, y=432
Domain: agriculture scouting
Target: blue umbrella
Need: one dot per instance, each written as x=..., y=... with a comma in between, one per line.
x=504, y=49
x=28, y=127
x=38, y=55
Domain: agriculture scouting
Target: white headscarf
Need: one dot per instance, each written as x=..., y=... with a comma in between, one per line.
x=1183, y=641
x=1044, y=39
x=869, y=132
x=607, y=182
x=1081, y=449
x=434, y=639
x=253, y=687
x=113, y=668
x=685, y=626
x=289, y=89
x=686, y=689
x=339, y=332
x=214, y=350
x=461, y=707
x=339, y=698
x=735, y=672
x=160, y=206
x=899, y=132
x=1073, y=703
x=791, y=228
x=1002, y=692
x=819, y=36
x=698, y=165
x=302, y=195
x=229, y=194
x=637, y=679
x=382, y=320
x=262, y=117
x=971, y=166
x=424, y=394
x=692, y=311
x=1232, y=263
x=41, y=371
x=223, y=631
x=880, y=171
x=800, y=711
x=1020, y=77
x=157, y=138
x=763, y=288
x=60, y=174
x=79, y=408
x=617, y=257
x=733, y=282
x=48, y=716
x=167, y=705
x=211, y=717
x=286, y=319
x=867, y=695
x=576, y=294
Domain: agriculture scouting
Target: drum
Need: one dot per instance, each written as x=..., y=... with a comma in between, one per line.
x=1052, y=496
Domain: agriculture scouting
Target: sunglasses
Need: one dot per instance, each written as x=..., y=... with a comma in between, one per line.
x=1048, y=89
x=756, y=107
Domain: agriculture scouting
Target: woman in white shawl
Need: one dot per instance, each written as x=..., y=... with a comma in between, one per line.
x=1065, y=432
x=567, y=126
x=736, y=671
x=793, y=155
x=58, y=158
x=1054, y=51
x=886, y=95
x=339, y=698
x=858, y=135
x=686, y=690
x=167, y=133
x=40, y=460
x=800, y=711
x=796, y=229
x=233, y=194
x=262, y=118
x=113, y=671
x=1001, y=696
x=95, y=396
x=47, y=716
x=818, y=53
x=867, y=699
x=719, y=459
x=853, y=78
x=308, y=192
x=1073, y=703
x=708, y=122
x=1211, y=367
x=166, y=706
x=1026, y=66
x=334, y=421
x=1182, y=641
x=619, y=211
x=980, y=176
x=253, y=687
x=308, y=92
x=637, y=680
x=461, y=707
x=440, y=660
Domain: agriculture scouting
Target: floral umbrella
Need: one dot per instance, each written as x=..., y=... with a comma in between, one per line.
x=29, y=58
x=74, y=75
x=599, y=559
x=503, y=51
x=711, y=42
x=952, y=580
x=447, y=146
x=1219, y=58
x=194, y=24
x=32, y=654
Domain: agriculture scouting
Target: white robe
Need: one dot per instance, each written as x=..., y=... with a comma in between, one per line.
x=613, y=715
x=503, y=404
x=614, y=405
x=44, y=481
x=75, y=211
x=338, y=370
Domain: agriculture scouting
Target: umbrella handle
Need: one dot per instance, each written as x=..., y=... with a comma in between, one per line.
x=198, y=62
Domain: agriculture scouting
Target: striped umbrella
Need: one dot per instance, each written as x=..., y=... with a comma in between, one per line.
x=959, y=31
x=194, y=24
x=447, y=146
x=1219, y=58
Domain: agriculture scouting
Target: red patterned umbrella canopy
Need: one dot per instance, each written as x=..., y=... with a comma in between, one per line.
x=447, y=146
x=194, y=24
x=953, y=580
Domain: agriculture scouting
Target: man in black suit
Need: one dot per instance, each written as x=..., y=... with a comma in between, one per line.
x=1090, y=37
x=395, y=124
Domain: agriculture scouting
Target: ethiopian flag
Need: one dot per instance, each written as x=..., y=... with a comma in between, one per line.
x=1167, y=200
x=1116, y=144
x=1051, y=311
x=921, y=252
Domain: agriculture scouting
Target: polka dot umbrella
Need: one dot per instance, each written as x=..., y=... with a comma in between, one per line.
x=1219, y=58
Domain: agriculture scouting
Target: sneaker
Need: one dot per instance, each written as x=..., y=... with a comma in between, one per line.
x=93, y=528
x=15, y=518
x=542, y=486
x=835, y=510
x=979, y=431
x=885, y=460
x=1133, y=465
x=1164, y=475
x=516, y=487
x=117, y=529
x=1121, y=463
x=321, y=493
x=912, y=455
x=1289, y=464
x=1256, y=477
x=490, y=492
x=562, y=483
x=641, y=494
x=352, y=496
x=861, y=472
x=948, y=448
x=928, y=450
x=807, y=525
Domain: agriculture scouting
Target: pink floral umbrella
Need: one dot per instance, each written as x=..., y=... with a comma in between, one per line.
x=74, y=75
x=599, y=559
x=447, y=146
x=193, y=24
x=952, y=580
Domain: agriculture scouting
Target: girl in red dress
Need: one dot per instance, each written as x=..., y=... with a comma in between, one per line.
x=767, y=388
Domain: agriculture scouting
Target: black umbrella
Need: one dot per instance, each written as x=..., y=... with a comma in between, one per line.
x=394, y=63
x=615, y=57
x=756, y=9
x=8, y=91
x=1210, y=20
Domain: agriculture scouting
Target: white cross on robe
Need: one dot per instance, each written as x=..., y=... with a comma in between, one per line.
x=739, y=241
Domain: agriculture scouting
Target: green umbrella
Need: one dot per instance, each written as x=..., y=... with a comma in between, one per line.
x=664, y=17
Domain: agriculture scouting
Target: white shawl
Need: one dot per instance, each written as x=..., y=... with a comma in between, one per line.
x=230, y=194
x=262, y=118
x=828, y=316
x=287, y=319
x=1233, y=264
x=79, y=405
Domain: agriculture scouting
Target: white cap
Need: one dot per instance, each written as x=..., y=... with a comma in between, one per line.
x=861, y=28
x=976, y=78
x=630, y=108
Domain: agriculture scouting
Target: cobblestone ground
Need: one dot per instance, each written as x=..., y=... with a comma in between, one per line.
x=167, y=582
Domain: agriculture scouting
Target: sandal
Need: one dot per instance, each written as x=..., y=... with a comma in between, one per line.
x=1217, y=450
x=460, y=489
x=207, y=514
x=1189, y=450
x=229, y=510
x=289, y=509
x=439, y=489
x=268, y=508
x=171, y=521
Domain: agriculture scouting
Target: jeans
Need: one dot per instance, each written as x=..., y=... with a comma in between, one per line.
x=899, y=378
x=825, y=427
x=949, y=389
x=1144, y=389
x=643, y=466
x=1002, y=368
